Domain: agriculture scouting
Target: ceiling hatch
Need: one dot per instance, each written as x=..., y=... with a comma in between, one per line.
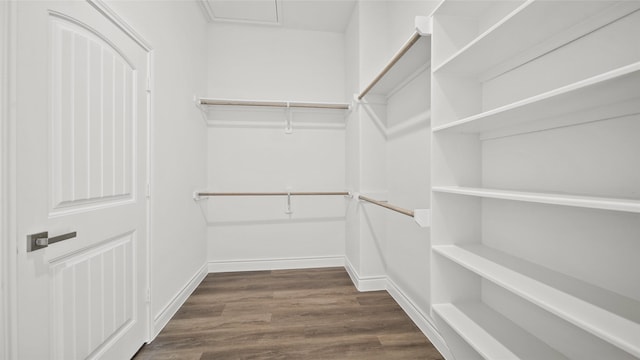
x=245, y=11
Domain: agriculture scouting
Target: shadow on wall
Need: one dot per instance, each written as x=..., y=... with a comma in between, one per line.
x=402, y=128
x=376, y=228
x=237, y=211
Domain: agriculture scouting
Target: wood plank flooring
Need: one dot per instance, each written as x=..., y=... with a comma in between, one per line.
x=308, y=314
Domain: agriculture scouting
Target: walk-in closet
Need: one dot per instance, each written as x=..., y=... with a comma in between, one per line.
x=317, y=179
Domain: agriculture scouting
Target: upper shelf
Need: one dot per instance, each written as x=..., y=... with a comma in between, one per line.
x=412, y=57
x=592, y=202
x=607, y=315
x=612, y=94
x=271, y=103
x=534, y=28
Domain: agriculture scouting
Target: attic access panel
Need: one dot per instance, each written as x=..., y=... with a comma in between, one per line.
x=246, y=11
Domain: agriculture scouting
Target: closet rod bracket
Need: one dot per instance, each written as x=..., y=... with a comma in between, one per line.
x=288, y=211
x=422, y=217
x=288, y=127
x=423, y=25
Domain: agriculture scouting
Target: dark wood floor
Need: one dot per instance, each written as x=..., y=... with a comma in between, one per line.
x=288, y=314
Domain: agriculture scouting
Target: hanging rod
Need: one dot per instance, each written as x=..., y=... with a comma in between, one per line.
x=268, y=103
x=388, y=206
x=293, y=193
x=403, y=50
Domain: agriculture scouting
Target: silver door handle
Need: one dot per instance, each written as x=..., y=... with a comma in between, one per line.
x=42, y=240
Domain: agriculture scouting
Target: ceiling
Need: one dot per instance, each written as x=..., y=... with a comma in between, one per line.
x=316, y=15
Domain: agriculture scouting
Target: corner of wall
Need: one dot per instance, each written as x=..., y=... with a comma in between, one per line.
x=364, y=283
x=423, y=321
x=170, y=309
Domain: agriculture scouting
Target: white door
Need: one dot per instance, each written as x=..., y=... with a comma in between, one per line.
x=81, y=160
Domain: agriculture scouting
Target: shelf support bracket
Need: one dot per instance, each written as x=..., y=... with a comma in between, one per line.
x=288, y=127
x=288, y=211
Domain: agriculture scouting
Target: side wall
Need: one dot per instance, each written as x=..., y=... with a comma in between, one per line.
x=390, y=250
x=176, y=32
x=249, y=151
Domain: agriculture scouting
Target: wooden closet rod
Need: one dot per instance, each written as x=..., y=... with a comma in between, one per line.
x=283, y=104
x=293, y=193
x=414, y=38
x=388, y=206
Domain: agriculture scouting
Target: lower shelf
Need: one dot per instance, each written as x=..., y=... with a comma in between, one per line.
x=492, y=335
x=609, y=316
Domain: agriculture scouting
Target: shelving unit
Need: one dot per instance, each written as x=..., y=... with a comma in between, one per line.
x=613, y=94
x=308, y=114
x=412, y=58
x=532, y=283
x=591, y=202
x=541, y=27
x=536, y=102
x=486, y=331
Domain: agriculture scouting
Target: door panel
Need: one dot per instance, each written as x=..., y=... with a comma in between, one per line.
x=94, y=297
x=82, y=127
x=92, y=91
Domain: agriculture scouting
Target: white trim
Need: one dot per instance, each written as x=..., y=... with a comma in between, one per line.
x=8, y=257
x=118, y=21
x=4, y=193
x=422, y=320
x=162, y=319
x=365, y=283
x=275, y=264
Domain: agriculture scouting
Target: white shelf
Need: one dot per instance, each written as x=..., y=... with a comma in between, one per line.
x=492, y=335
x=598, y=311
x=556, y=23
x=411, y=59
x=617, y=91
x=271, y=103
x=546, y=198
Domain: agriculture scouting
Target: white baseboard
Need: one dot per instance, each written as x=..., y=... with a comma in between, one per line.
x=275, y=264
x=161, y=320
x=422, y=320
x=365, y=283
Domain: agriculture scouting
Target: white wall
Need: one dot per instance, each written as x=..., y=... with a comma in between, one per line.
x=176, y=31
x=392, y=154
x=352, y=80
x=248, y=150
x=393, y=167
x=264, y=62
x=408, y=178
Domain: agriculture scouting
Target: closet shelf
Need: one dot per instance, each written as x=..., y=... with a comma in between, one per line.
x=555, y=24
x=413, y=57
x=591, y=202
x=584, y=305
x=270, y=103
x=612, y=94
x=492, y=335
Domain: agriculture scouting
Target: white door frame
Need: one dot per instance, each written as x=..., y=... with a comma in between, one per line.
x=8, y=240
x=7, y=171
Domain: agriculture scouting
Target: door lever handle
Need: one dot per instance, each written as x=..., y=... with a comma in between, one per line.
x=42, y=240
